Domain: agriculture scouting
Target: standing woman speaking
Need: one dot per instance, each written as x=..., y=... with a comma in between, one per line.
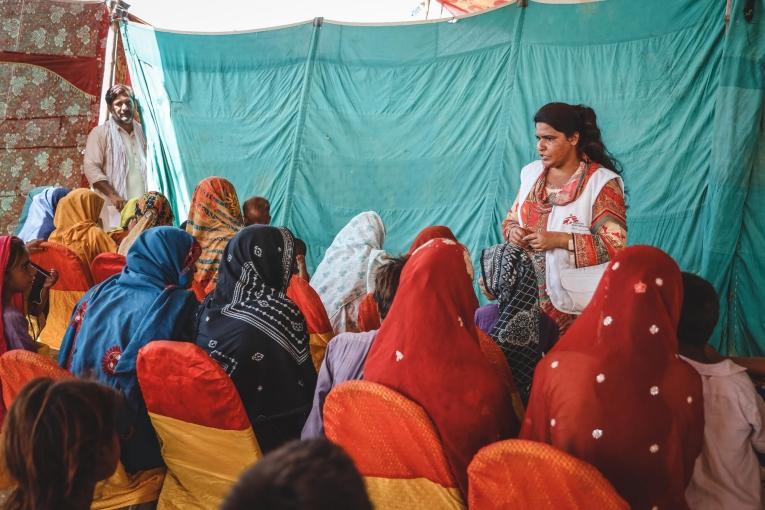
x=569, y=213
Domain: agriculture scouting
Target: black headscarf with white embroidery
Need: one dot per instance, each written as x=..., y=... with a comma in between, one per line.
x=260, y=337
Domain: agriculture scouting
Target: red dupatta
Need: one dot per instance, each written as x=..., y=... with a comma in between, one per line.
x=430, y=233
x=428, y=350
x=613, y=391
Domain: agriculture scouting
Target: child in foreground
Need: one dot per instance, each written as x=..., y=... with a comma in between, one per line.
x=727, y=473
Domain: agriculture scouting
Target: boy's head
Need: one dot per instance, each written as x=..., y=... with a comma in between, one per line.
x=699, y=313
x=306, y=475
x=386, y=284
x=256, y=211
x=59, y=437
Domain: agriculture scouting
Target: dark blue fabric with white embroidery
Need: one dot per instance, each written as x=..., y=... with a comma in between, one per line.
x=260, y=337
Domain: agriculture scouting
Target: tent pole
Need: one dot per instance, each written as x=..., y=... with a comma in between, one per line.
x=727, y=14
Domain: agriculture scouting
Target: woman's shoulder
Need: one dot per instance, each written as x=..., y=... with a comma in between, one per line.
x=606, y=174
x=534, y=167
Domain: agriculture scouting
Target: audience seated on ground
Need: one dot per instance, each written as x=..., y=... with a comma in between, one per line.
x=258, y=335
x=727, y=473
x=16, y=279
x=60, y=439
x=149, y=300
x=256, y=211
x=613, y=390
x=428, y=350
x=151, y=209
x=347, y=271
x=301, y=475
x=38, y=223
x=77, y=225
x=521, y=329
x=214, y=218
x=347, y=352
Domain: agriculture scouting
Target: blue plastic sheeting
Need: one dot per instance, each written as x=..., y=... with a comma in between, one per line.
x=431, y=123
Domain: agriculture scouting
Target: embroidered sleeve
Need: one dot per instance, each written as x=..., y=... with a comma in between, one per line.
x=608, y=228
x=510, y=221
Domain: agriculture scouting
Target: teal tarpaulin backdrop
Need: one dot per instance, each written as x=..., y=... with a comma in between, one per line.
x=431, y=123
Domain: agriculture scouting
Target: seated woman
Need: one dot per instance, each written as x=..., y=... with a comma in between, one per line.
x=259, y=337
x=148, y=301
x=76, y=222
x=349, y=265
x=39, y=220
x=59, y=440
x=16, y=278
x=614, y=392
x=569, y=213
x=152, y=209
x=369, y=315
x=521, y=329
x=428, y=350
x=347, y=352
x=214, y=218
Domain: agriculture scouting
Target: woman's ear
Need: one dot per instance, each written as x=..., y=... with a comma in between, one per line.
x=574, y=139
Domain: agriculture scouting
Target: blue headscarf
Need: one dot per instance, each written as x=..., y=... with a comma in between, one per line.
x=148, y=301
x=38, y=223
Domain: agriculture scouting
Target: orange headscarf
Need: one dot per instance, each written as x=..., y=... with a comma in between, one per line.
x=214, y=218
x=428, y=350
x=77, y=228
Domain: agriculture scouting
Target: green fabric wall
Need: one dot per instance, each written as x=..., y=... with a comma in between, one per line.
x=431, y=123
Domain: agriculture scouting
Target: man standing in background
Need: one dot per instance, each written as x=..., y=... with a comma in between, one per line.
x=115, y=156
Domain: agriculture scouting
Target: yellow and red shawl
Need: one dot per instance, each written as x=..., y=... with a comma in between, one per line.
x=214, y=218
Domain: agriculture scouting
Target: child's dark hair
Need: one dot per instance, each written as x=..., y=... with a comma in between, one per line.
x=18, y=248
x=386, y=284
x=301, y=475
x=54, y=440
x=300, y=247
x=700, y=311
x=257, y=203
x=570, y=119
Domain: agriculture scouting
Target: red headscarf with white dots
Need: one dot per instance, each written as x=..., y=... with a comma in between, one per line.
x=613, y=391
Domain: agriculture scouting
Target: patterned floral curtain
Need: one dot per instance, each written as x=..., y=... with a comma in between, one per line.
x=51, y=68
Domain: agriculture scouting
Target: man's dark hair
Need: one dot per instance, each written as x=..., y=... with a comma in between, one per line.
x=386, y=284
x=118, y=90
x=301, y=475
x=700, y=311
